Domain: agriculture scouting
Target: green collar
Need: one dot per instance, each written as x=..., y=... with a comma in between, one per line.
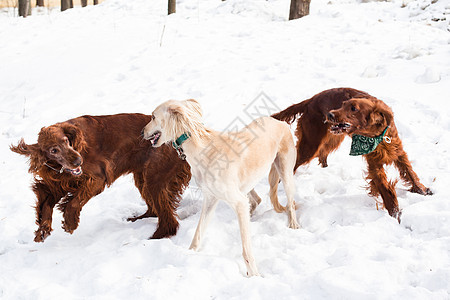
x=177, y=145
x=179, y=141
x=362, y=145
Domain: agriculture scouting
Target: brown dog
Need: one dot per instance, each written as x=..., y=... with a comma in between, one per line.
x=75, y=160
x=327, y=116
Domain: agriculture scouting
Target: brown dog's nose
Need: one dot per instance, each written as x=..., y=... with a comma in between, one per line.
x=78, y=161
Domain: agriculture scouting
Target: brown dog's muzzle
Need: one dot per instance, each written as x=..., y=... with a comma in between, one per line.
x=338, y=126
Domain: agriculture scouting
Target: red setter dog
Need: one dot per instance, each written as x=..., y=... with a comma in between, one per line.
x=74, y=160
x=326, y=117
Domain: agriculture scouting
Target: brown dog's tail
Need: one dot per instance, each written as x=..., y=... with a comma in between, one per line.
x=291, y=113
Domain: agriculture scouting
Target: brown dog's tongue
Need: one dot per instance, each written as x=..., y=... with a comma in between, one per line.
x=76, y=171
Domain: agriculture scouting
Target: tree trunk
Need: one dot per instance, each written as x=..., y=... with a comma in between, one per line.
x=83, y=3
x=95, y=2
x=24, y=8
x=172, y=6
x=39, y=2
x=65, y=4
x=299, y=8
x=71, y=3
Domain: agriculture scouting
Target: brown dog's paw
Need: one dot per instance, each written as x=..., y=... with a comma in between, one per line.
x=399, y=217
x=148, y=214
x=396, y=213
x=422, y=191
x=71, y=219
x=323, y=162
x=69, y=227
x=42, y=233
x=164, y=233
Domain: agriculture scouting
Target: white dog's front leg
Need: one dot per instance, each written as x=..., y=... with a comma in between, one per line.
x=209, y=205
x=242, y=209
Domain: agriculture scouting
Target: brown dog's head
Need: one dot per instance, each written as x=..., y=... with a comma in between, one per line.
x=364, y=116
x=58, y=148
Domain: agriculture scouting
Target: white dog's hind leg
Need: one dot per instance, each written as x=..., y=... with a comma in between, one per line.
x=240, y=204
x=255, y=200
x=284, y=164
x=289, y=187
x=209, y=205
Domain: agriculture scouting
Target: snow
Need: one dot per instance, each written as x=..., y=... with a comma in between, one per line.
x=128, y=56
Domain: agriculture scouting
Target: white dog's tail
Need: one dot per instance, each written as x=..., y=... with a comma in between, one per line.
x=274, y=179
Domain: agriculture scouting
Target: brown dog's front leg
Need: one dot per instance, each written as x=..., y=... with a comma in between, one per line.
x=139, y=181
x=410, y=177
x=148, y=214
x=71, y=208
x=379, y=185
x=46, y=201
x=71, y=214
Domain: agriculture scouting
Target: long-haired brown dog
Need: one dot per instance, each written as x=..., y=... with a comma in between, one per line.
x=75, y=160
x=326, y=117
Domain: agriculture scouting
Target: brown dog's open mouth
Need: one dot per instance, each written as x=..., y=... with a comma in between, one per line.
x=154, y=138
x=339, y=128
x=76, y=172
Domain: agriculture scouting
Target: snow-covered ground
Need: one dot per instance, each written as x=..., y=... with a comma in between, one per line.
x=128, y=56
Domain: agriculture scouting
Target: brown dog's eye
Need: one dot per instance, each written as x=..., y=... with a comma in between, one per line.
x=54, y=150
x=353, y=108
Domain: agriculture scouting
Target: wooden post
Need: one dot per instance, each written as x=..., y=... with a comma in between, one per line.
x=172, y=6
x=299, y=8
x=24, y=8
x=65, y=4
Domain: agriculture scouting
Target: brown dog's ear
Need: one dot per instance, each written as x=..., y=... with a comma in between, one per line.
x=37, y=158
x=75, y=136
x=25, y=149
x=382, y=114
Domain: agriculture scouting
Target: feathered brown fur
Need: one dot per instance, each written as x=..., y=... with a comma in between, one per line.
x=368, y=116
x=75, y=160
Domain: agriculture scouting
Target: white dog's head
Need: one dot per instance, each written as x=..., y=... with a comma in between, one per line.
x=173, y=118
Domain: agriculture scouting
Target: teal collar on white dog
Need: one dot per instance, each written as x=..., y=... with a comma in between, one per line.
x=177, y=145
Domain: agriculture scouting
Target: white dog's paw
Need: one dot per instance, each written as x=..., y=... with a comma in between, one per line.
x=294, y=225
x=253, y=274
x=193, y=247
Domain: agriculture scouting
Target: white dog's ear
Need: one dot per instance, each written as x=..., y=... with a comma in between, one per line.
x=186, y=117
x=194, y=106
x=175, y=111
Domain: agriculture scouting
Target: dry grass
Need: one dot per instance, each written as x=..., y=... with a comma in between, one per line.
x=47, y=3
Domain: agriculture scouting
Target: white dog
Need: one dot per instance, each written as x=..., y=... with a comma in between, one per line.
x=227, y=166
